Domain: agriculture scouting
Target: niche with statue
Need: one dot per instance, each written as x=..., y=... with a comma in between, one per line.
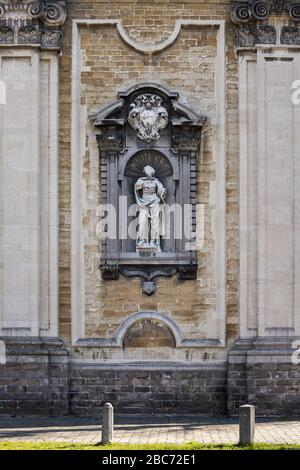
x=149, y=147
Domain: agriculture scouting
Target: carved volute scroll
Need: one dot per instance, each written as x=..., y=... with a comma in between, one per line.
x=147, y=127
x=35, y=22
x=253, y=26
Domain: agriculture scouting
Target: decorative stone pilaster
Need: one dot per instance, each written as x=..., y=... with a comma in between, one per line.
x=267, y=38
x=37, y=22
x=254, y=22
x=30, y=37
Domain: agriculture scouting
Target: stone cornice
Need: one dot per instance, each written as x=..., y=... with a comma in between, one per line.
x=244, y=11
x=34, y=23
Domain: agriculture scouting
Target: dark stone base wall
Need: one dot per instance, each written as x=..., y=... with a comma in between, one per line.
x=274, y=389
x=39, y=379
x=262, y=374
x=236, y=388
x=35, y=378
x=134, y=390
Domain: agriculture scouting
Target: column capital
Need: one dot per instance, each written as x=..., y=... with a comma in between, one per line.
x=244, y=11
x=32, y=23
x=266, y=22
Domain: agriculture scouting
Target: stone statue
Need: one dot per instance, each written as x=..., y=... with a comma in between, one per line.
x=150, y=197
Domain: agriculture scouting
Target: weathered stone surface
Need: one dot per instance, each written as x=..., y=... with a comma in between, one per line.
x=35, y=379
x=155, y=391
x=265, y=378
x=189, y=66
x=189, y=371
x=148, y=333
x=40, y=380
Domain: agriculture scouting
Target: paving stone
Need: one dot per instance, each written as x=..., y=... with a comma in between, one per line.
x=146, y=430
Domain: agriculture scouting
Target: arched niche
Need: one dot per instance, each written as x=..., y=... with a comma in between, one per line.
x=147, y=125
x=141, y=318
x=149, y=333
x=164, y=172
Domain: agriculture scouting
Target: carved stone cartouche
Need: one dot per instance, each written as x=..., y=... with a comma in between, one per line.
x=148, y=117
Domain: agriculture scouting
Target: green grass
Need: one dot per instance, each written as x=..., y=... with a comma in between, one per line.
x=187, y=446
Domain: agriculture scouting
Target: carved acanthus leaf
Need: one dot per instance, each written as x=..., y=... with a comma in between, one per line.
x=251, y=34
x=290, y=35
x=32, y=22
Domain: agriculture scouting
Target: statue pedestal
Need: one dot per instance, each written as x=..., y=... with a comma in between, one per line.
x=148, y=250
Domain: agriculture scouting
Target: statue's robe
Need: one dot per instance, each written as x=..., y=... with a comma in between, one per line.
x=149, y=194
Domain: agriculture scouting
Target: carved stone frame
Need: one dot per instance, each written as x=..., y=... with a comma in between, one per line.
x=118, y=143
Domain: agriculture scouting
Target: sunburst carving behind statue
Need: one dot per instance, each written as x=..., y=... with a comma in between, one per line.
x=153, y=158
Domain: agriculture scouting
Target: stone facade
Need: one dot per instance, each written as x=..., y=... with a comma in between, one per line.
x=76, y=338
x=136, y=390
x=35, y=378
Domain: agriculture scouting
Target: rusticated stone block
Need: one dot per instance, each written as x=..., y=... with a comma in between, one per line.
x=271, y=387
x=35, y=379
x=154, y=391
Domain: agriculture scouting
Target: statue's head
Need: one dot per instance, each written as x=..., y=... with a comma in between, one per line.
x=149, y=171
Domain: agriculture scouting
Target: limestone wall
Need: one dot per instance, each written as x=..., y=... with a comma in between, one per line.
x=29, y=202
x=224, y=338
x=197, y=65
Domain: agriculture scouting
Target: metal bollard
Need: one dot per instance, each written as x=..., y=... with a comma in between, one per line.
x=247, y=424
x=107, y=423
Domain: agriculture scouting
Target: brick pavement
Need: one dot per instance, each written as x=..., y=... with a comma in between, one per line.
x=146, y=430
